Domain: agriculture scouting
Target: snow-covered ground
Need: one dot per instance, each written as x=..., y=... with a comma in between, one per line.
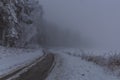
x=12, y=58
x=69, y=67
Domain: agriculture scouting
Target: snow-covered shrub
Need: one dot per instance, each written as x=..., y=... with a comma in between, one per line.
x=114, y=61
x=19, y=18
x=99, y=60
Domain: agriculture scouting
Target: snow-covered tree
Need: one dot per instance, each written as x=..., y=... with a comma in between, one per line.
x=19, y=19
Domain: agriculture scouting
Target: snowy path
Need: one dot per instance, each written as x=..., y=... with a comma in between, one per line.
x=37, y=71
x=73, y=68
x=12, y=59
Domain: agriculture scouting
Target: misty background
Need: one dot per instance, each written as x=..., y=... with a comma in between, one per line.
x=91, y=23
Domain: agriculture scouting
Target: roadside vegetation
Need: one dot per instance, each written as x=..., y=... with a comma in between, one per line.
x=111, y=62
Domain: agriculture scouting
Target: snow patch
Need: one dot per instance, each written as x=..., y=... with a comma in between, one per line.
x=11, y=58
x=73, y=68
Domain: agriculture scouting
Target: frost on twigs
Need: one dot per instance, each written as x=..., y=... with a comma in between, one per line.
x=17, y=21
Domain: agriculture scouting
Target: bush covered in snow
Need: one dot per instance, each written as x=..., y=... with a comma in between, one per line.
x=111, y=62
x=99, y=60
x=114, y=61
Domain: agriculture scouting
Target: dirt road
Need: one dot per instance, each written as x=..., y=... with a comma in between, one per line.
x=39, y=71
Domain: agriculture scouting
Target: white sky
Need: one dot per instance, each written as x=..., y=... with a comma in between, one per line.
x=97, y=20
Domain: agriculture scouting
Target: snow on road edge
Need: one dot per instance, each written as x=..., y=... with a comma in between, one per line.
x=73, y=68
x=14, y=58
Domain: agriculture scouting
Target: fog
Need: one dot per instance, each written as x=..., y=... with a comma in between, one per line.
x=96, y=22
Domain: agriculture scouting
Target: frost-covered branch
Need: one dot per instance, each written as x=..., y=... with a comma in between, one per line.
x=16, y=17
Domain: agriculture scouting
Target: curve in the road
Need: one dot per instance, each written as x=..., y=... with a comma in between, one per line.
x=38, y=71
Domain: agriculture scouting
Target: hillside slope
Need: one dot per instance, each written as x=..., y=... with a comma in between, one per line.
x=73, y=68
x=13, y=58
